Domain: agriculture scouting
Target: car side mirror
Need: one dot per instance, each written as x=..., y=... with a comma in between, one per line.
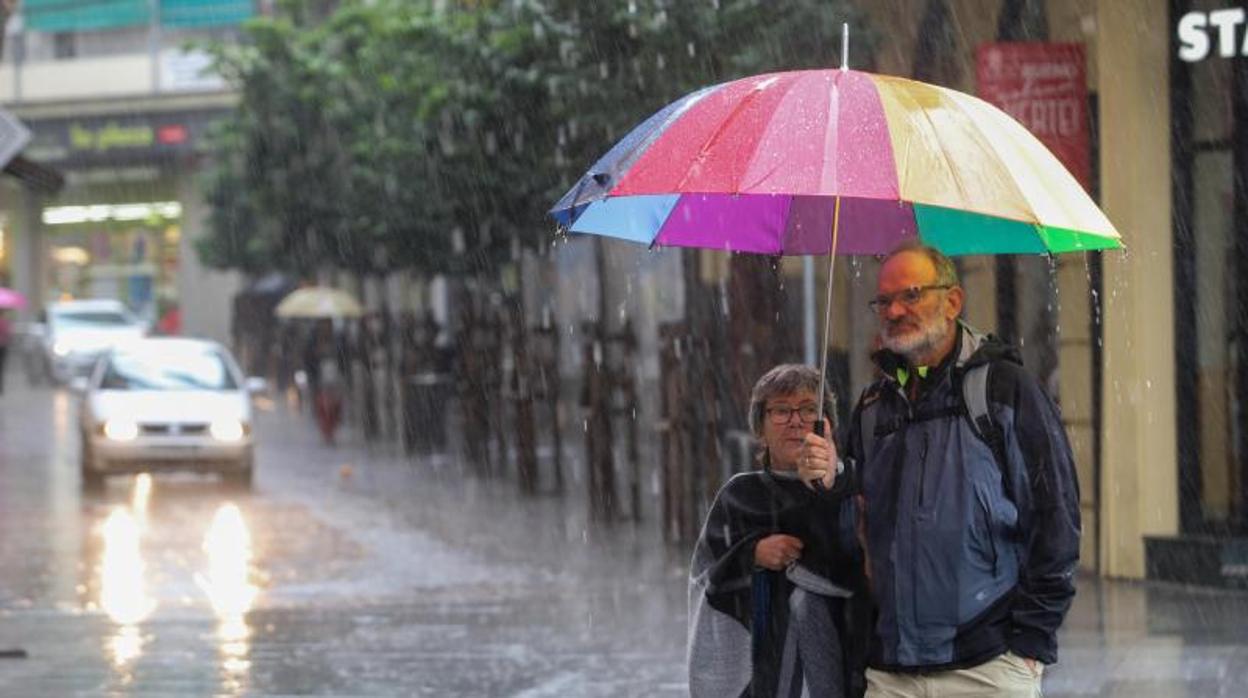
x=255, y=386
x=79, y=385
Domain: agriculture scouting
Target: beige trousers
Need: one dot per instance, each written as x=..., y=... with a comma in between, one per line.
x=1007, y=676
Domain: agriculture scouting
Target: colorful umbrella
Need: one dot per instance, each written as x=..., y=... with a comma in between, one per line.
x=834, y=162
x=10, y=299
x=777, y=163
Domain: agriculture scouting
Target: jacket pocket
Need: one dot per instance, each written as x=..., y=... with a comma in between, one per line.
x=987, y=529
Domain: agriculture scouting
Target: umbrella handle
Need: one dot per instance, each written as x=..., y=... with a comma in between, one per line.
x=827, y=329
x=818, y=483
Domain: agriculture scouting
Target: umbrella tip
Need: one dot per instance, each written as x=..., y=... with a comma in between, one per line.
x=844, y=45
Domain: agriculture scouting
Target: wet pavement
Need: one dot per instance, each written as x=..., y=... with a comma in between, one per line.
x=357, y=571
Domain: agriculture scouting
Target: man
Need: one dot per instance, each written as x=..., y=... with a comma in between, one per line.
x=971, y=533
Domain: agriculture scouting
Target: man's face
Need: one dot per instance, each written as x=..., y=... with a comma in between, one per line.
x=915, y=329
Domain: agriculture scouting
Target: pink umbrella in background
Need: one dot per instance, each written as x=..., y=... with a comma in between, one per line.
x=11, y=300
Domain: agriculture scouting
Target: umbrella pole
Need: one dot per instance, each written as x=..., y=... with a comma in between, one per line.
x=827, y=313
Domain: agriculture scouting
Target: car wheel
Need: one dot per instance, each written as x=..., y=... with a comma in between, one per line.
x=91, y=479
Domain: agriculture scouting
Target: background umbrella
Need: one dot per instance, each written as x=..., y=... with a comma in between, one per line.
x=834, y=162
x=319, y=302
x=11, y=300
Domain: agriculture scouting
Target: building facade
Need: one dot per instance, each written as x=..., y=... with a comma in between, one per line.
x=1146, y=348
x=117, y=102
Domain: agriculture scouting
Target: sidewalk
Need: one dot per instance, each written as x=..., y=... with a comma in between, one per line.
x=605, y=604
x=1120, y=638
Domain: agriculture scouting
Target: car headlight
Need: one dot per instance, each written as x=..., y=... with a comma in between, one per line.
x=60, y=349
x=121, y=430
x=226, y=430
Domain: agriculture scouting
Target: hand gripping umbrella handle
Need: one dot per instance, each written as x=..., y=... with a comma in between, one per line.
x=827, y=330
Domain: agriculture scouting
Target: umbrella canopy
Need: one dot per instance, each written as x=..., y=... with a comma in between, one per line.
x=785, y=163
x=10, y=299
x=319, y=302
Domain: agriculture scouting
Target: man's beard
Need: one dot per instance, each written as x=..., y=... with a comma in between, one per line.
x=915, y=346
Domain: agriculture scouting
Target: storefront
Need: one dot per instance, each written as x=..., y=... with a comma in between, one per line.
x=1209, y=107
x=124, y=251
x=125, y=224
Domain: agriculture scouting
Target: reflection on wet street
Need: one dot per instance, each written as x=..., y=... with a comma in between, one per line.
x=385, y=577
x=360, y=572
x=228, y=586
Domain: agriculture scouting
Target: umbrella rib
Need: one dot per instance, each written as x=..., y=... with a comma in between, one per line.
x=749, y=165
x=944, y=157
x=632, y=155
x=715, y=135
x=988, y=145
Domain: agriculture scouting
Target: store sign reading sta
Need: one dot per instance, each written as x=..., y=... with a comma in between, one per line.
x=1200, y=31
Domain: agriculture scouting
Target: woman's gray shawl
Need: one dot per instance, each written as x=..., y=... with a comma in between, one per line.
x=728, y=596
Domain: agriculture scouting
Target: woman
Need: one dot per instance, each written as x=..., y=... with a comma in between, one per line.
x=778, y=563
x=323, y=365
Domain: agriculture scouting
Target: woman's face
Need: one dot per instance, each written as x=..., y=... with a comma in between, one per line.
x=784, y=439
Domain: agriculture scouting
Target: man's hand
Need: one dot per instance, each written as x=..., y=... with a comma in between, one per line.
x=775, y=552
x=818, y=458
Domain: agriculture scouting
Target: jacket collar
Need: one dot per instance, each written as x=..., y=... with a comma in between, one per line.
x=971, y=347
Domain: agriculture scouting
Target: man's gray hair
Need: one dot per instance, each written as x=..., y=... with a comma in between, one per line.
x=787, y=379
x=946, y=272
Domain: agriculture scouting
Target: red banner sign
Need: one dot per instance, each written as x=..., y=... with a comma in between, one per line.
x=1044, y=86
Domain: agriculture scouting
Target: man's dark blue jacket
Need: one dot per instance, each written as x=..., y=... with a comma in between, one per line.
x=969, y=554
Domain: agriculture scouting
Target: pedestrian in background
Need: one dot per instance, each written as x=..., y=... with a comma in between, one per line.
x=322, y=365
x=971, y=504
x=6, y=338
x=777, y=565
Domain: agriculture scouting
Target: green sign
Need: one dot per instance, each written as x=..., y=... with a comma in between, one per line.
x=110, y=136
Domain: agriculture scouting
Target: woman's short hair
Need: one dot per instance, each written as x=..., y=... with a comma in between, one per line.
x=787, y=379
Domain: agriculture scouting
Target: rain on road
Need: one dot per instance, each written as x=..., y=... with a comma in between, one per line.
x=389, y=577
x=355, y=571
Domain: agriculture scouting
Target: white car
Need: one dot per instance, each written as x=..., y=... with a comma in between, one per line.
x=167, y=404
x=76, y=333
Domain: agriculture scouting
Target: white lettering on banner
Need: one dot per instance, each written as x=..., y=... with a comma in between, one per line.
x=1046, y=117
x=1195, y=29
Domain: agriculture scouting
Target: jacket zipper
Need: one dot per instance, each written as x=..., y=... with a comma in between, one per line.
x=923, y=470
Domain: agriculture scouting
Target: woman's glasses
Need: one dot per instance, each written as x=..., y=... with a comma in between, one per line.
x=782, y=415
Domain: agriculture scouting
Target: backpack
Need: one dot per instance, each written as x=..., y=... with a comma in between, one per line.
x=975, y=401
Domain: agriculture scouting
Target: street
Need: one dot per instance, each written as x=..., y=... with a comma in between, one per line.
x=355, y=571
x=385, y=577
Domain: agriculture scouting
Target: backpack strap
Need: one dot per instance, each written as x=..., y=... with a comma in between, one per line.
x=975, y=397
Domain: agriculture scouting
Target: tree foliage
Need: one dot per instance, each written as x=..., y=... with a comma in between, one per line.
x=397, y=134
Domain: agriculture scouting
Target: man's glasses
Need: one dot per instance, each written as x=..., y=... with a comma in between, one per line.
x=782, y=415
x=908, y=297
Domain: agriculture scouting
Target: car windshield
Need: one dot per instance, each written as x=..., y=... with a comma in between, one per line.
x=92, y=318
x=205, y=370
